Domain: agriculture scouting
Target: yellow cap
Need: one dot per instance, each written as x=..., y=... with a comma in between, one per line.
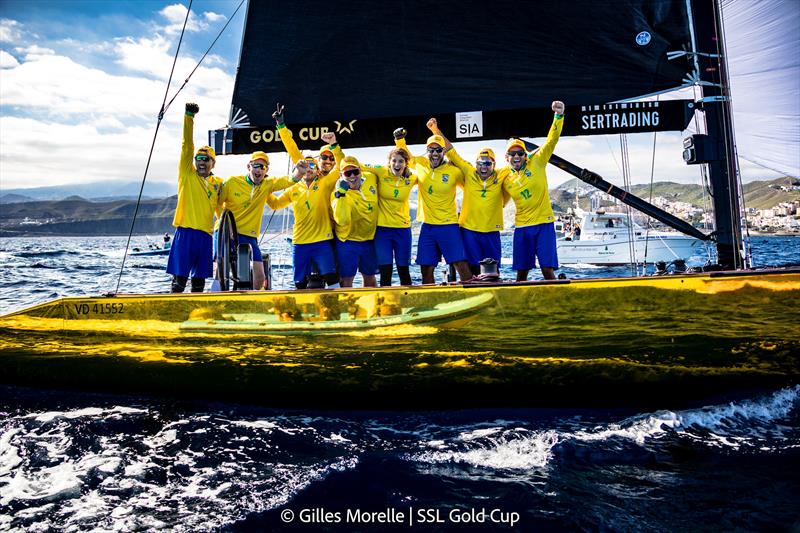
x=259, y=155
x=487, y=152
x=349, y=161
x=515, y=143
x=435, y=139
x=326, y=148
x=207, y=150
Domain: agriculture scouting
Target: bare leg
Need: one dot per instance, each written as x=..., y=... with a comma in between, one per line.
x=427, y=274
x=258, y=275
x=462, y=267
x=522, y=275
x=548, y=273
x=347, y=282
x=369, y=280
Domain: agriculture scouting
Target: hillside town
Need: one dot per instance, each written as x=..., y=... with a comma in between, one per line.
x=782, y=218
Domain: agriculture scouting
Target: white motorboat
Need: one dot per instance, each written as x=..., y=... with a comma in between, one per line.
x=610, y=239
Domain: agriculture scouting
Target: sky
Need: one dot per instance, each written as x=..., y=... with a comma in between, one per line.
x=82, y=81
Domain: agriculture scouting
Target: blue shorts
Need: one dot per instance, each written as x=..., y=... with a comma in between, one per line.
x=315, y=254
x=356, y=256
x=393, y=243
x=190, y=254
x=535, y=242
x=478, y=245
x=253, y=242
x=436, y=240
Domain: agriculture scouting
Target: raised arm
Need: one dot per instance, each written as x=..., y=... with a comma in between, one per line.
x=542, y=155
x=400, y=142
x=450, y=150
x=286, y=135
x=186, y=165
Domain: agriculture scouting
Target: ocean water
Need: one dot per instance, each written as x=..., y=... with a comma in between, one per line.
x=78, y=461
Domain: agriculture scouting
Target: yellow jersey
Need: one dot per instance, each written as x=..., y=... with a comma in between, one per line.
x=436, y=189
x=393, y=194
x=528, y=186
x=246, y=200
x=356, y=213
x=312, y=208
x=198, y=197
x=482, y=208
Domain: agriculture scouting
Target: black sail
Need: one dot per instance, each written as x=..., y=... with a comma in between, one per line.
x=362, y=68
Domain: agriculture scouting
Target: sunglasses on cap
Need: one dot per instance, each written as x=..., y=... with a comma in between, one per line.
x=351, y=173
x=327, y=158
x=202, y=158
x=485, y=163
x=257, y=165
x=517, y=153
x=435, y=150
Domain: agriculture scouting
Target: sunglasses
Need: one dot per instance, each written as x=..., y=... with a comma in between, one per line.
x=312, y=165
x=327, y=158
x=257, y=166
x=519, y=153
x=485, y=163
x=351, y=173
x=435, y=150
x=202, y=158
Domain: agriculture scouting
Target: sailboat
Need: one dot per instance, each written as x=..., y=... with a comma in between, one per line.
x=638, y=340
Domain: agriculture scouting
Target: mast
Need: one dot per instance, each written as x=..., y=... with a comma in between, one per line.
x=723, y=169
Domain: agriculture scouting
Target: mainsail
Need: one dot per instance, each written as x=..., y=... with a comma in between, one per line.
x=494, y=67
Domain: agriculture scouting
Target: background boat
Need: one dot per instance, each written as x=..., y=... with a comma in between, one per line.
x=615, y=239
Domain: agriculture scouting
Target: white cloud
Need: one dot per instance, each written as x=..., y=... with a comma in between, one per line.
x=213, y=17
x=7, y=60
x=34, y=51
x=10, y=31
x=176, y=14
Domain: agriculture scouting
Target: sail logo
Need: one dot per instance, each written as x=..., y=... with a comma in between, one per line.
x=350, y=128
x=643, y=38
x=620, y=116
x=469, y=124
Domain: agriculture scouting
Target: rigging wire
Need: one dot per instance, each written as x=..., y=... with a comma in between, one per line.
x=626, y=179
x=152, y=148
x=186, y=81
x=650, y=200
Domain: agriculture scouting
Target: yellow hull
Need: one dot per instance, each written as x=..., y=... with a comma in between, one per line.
x=598, y=341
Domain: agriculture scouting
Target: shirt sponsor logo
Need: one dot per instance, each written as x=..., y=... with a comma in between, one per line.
x=445, y=177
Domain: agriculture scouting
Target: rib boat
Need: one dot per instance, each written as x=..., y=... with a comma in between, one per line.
x=647, y=340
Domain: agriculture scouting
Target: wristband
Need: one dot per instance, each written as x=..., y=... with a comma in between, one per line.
x=559, y=116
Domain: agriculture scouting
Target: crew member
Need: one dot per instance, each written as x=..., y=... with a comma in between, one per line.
x=436, y=184
x=245, y=196
x=393, y=234
x=526, y=182
x=355, y=212
x=198, y=194
x=481, y=217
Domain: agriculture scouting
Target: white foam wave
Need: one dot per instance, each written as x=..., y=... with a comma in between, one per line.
x=502, y=449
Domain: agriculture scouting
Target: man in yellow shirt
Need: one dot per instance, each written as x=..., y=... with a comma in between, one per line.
x=355, y=212
x=245, y=197
x=436, y=185
x=198, y=194
x=524, y=179
x=481, y=217
x=312, y=235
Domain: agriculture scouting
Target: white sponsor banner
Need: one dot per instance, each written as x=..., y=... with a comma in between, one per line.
x=469, y=124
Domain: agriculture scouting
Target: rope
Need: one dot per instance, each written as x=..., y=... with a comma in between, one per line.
x=186, y=81
x=626, y=178
x=152, y=147
x=650, y=200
